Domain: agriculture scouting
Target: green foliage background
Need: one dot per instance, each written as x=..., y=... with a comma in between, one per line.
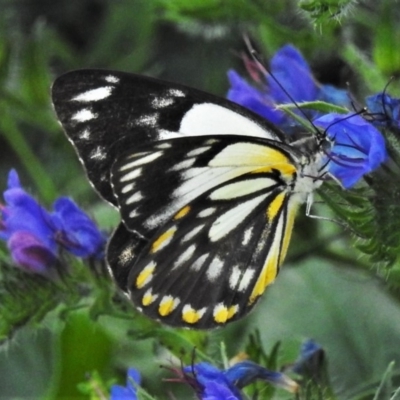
x=328, y=289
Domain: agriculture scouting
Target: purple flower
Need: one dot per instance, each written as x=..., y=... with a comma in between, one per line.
x=359, y=147
x=217, y=391
x=128, y=392
x=253, y=99
x=27, y=228
x=214, y=384
x=77, y=233
x=292, y=71
x=34, y=236
x=385, y=110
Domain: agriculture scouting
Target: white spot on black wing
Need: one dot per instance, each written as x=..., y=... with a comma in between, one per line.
x=98, y=153
x=85, y=134
x=176, y=93
x=148, y=120
x=94, y=94
x=111, y=79
x=134, y=198
x=84, y=115
x=161, y=102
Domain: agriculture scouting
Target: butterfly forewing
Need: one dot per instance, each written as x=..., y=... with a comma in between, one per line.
x=106, y=112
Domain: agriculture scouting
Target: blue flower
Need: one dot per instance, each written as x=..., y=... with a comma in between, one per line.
x=217, y=391
x=76, y=231
x=253, y=99
x=310, y=359
x=293, y=73
x=214, y=384
x=359, y=147
x=245, y=372
x=27, y=228
x=128, y=392
x=385, y=110
x=34, y=236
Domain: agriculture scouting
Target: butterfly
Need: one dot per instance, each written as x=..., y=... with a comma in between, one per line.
x=206, y=189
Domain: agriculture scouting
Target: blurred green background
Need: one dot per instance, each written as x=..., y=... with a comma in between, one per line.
x=324, y=291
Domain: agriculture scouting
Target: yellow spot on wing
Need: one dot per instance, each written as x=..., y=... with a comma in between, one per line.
x=147, y=299
x=167, y=305
x=275, y=206
x=162, y=240
x=181, y=213
x=145, y=276
x=223, y=313
x=191, y=316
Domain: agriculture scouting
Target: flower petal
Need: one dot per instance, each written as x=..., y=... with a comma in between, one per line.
x=359, y=147
x=292, y=71
x=253, y=99
x=76, y=231
x=30, y=253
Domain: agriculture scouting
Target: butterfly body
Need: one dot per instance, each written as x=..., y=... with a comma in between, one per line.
x=207, y=191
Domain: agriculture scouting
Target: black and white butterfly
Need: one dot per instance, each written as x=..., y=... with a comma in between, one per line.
x=207, y=191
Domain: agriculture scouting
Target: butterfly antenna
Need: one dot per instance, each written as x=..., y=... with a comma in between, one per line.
x=255, y=55
x=384, y=105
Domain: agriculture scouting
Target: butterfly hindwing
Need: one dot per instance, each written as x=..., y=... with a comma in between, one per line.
x=106, y=112
x=212, y=260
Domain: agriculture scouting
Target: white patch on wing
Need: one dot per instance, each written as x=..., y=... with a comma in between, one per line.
x=163, y=146
x=246, y=279
x=143, y=160
x=228, y=221
x=183, y=164
x=84, y=115
x=197, y=151
x=131, y=175
x=176, y=92
x=147, y=120
x=206, y=212
x=236, y=273
x=191, y=234
x=241, y=188
x=214, y=270
x=212, y=119
x=161, y=102
x=196, y=266
x=185, y=256
x=134, y=198
x=94, y=94
x=134, y=213
x=127, y=254
x=98, y=153
x=111, y=79
x=127, y=188
x=85, y=134
x=247, y=236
